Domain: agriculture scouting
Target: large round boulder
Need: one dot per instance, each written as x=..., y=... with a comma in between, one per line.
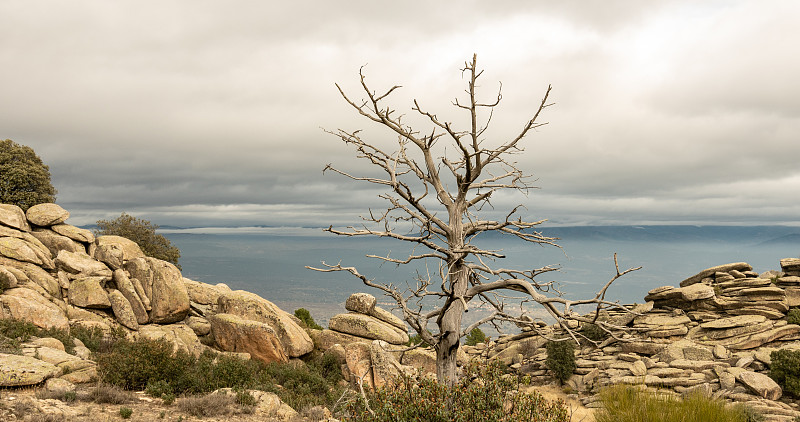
x=365, y=326
x=250, y=306
x=46, y=214
x=234, y=334
x=17, y=371
x=27, y=305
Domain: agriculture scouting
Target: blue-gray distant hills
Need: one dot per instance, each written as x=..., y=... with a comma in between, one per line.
x=271, y=263
x=747, y=234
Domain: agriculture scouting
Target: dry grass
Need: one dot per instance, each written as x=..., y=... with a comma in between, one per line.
x=110, y=394
x=624, y=403
x=214, y=404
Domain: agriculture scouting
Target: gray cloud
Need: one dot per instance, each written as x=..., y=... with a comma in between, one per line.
x=202, y=113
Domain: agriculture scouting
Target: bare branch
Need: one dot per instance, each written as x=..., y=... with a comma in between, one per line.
x=425, y=208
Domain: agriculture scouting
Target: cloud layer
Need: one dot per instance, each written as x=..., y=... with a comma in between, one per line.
x=210, y=114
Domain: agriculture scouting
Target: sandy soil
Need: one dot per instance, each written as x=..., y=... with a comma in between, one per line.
x=148, y=409
x=578, y=411
x=145, y=409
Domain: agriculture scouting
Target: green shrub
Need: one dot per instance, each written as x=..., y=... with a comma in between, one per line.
x=415, y=340
x=157, y=388
x=109, y=394
x=483, y=394
x=593, y=332
x=90, y=337
x=561, y=359
x=134, y=364
x=168, y=399
x=68, y=396
x=143, y=232
x=18, y=329
x=13, y=333
x=785, y=370
x=125, y=412
x=474, y=337
x=61, y=335
x=304, y=315
x=211, y=372
x=244, y=398
x=624, y=403
x=303, y=385
x=793, y=317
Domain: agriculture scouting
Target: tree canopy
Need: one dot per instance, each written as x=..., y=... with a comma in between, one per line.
x=143, y=232
x=24, y=178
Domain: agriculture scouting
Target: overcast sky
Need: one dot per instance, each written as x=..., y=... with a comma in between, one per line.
x=201, y=113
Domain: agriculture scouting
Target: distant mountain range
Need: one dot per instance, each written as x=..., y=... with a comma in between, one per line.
x=746, y=234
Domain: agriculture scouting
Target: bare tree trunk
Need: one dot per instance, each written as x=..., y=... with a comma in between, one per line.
x=450, y=325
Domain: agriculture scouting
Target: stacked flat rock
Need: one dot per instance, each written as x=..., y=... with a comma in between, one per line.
x=744, y=332
x=662, y=324
x=791, y=285
x=752, y=296
x=368, y=321
x=731, y=289
x=791, y=266
x=714, y=335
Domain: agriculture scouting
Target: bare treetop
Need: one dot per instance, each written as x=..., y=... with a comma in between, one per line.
x=438, y=182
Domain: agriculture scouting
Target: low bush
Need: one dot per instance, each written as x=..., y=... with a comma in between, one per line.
x=785, y=370
x=483, y=394
x=90, y=337
x=109, y=394
x=157, y=388
x=152, y=365
x=593, y=332
x=211, y=371
x=125, y=412
x=793, y=317
x=561, y=359
x=214, y=404
x=63, y=395
x=625, y=403
x=133, y=364
x=301, y=386
x=304, y=315
x=15, y=332
x=416, y=339
x=17, y=329
x=61, y=335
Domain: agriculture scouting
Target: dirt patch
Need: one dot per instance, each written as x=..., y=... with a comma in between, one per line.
x=577, y=410
x=23, y=402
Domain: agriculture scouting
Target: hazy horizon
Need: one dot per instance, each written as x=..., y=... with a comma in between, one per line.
x=273, y=265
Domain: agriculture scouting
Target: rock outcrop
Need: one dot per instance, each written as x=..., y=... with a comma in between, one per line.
x=235, y=334
x=56, y=275
x=366, y=320
x=249, y=306
x=713, y=334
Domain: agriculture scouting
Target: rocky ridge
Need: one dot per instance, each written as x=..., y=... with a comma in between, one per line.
x=713, y=334
x=55, y=275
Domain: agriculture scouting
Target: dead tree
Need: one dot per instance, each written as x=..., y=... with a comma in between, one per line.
x=437, y=183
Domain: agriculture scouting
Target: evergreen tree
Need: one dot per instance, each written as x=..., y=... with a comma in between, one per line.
x=24, y=178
